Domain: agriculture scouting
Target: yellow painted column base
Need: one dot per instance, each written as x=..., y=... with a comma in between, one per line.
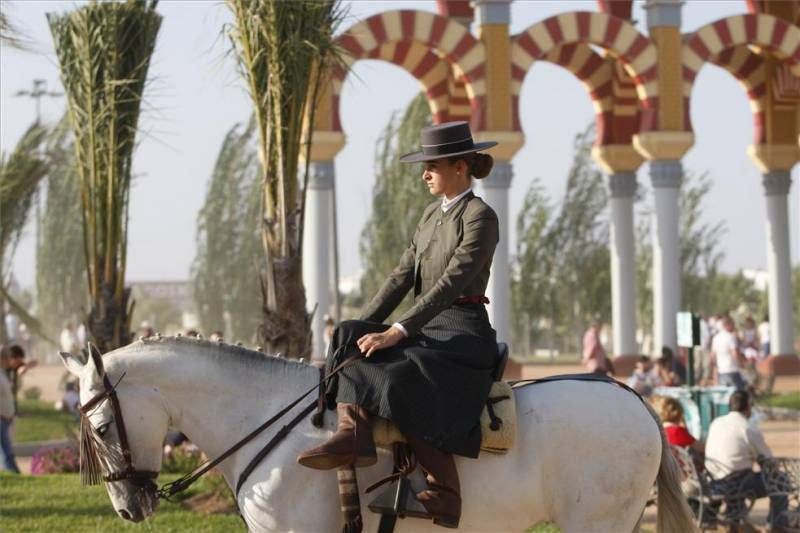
x=663, y=145
x=769, y=157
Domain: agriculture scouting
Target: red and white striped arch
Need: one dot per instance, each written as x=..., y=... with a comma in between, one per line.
x=618, y=36
x=594, y=73
x=726, y=42
x=750, y=70
x=430, y=47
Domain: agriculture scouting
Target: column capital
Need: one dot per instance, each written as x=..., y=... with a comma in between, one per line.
x=617, y=158
x=325, y=144
x=777, y=182
x=320, y=175
x=768, y=157
x=666, y=174
x=663, y=13
x=508, y=143
x=500, y=177
x=658, y=145
x=622, y=184
x=492, y=12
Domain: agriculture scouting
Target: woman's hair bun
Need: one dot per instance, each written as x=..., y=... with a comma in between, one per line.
x=481, y=165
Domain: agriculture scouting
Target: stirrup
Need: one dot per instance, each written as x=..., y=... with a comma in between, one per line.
x=399, y=501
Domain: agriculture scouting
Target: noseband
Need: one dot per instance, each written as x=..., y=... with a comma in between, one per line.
x=137, y=477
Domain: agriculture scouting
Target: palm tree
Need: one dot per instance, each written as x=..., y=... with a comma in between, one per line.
x=284, y=51
x=11, y=35
x=20, y=174
x=104, y=52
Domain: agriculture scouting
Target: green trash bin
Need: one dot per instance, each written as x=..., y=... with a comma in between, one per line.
x=701, y=405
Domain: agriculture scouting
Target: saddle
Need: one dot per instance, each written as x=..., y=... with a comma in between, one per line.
x=498, y=423
x=498, y=434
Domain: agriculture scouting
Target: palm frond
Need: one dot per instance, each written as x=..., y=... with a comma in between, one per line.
x=104, y=52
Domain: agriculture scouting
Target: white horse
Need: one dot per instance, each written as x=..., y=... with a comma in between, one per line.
x=585, y=458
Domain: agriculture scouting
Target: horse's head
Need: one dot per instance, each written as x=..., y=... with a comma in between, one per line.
x=123, y=425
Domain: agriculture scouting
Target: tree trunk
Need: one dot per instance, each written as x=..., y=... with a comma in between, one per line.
x=286, y=327
x=109, y=320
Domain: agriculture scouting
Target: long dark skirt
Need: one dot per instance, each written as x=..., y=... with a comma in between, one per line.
x=432, y=385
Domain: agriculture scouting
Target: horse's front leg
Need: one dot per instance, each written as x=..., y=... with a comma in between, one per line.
x=283, y=496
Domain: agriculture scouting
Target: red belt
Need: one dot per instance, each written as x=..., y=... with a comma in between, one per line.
x=477, y=299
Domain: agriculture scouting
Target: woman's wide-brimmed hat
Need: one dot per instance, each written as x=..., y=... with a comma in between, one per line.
x=445, y=140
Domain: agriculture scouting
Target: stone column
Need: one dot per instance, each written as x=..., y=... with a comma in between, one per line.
x=623, y=264
x=666, y=177
x=318, y=250
x=320, y=275
x=664, y=149
x=776, y=189
x=620, y=162
x=775, y=162
x=495, y=193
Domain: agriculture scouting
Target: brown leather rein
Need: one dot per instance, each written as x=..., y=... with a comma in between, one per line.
x=141, y=477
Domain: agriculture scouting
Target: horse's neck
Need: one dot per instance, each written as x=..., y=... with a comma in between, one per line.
x=217, y=404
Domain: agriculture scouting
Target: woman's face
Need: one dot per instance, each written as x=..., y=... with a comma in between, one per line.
x=445, y=178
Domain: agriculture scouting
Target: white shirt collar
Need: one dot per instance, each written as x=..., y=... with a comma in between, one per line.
x=447, y=204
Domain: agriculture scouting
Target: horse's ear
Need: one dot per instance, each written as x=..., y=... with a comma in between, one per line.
x=95, y=359
x=73, y=363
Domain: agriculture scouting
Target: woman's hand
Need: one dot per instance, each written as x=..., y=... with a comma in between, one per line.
x=371, y=342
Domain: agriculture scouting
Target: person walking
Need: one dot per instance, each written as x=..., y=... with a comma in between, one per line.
x=594, y=355
x=726, y=356
x=11, y=359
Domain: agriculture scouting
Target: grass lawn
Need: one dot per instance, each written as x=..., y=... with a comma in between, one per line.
x=60, y=503
x=787, y=399
x=39, y=421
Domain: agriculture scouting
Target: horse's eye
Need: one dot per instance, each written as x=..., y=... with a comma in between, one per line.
x=101, y=430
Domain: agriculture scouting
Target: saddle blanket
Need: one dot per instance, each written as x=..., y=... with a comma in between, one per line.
x=501, y=440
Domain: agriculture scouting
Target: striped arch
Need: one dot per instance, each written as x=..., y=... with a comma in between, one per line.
x=428, y=68
x=750, y=70
x=428, y=46
x=726, y=42
x=593, y=72
x=618, y=36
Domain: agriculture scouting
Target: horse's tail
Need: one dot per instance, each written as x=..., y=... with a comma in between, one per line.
x=674, y=515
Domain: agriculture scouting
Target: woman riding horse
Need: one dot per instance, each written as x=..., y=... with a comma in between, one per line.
x=429, y=372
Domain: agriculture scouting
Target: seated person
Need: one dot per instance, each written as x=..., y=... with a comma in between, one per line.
x=662, y=374
x=733, y=446
x=429, y=372
x=670, y=411
x=641, y=380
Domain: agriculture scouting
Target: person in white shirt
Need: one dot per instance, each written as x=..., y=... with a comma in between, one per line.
x=726, y=356
x=733, y=445
x=763, y=335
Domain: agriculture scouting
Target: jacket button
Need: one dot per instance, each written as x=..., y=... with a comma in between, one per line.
x=438, y=222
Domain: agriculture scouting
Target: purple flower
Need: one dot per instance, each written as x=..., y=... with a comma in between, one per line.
x=55, y=461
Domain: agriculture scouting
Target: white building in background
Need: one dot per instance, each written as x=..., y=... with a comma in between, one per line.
x=759, y=277
x=178, y=293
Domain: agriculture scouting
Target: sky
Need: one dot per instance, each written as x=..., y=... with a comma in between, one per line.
x=195, y=96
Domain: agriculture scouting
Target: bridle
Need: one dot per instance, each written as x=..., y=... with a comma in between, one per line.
x=109, y=392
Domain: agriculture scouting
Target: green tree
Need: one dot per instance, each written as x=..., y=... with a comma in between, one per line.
x=700, y=256
x=61, y=291
x=285, y=52
x=228, y=242
x=561, y=277
x=398, y=199
x=104, y=52
x=20, y=174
